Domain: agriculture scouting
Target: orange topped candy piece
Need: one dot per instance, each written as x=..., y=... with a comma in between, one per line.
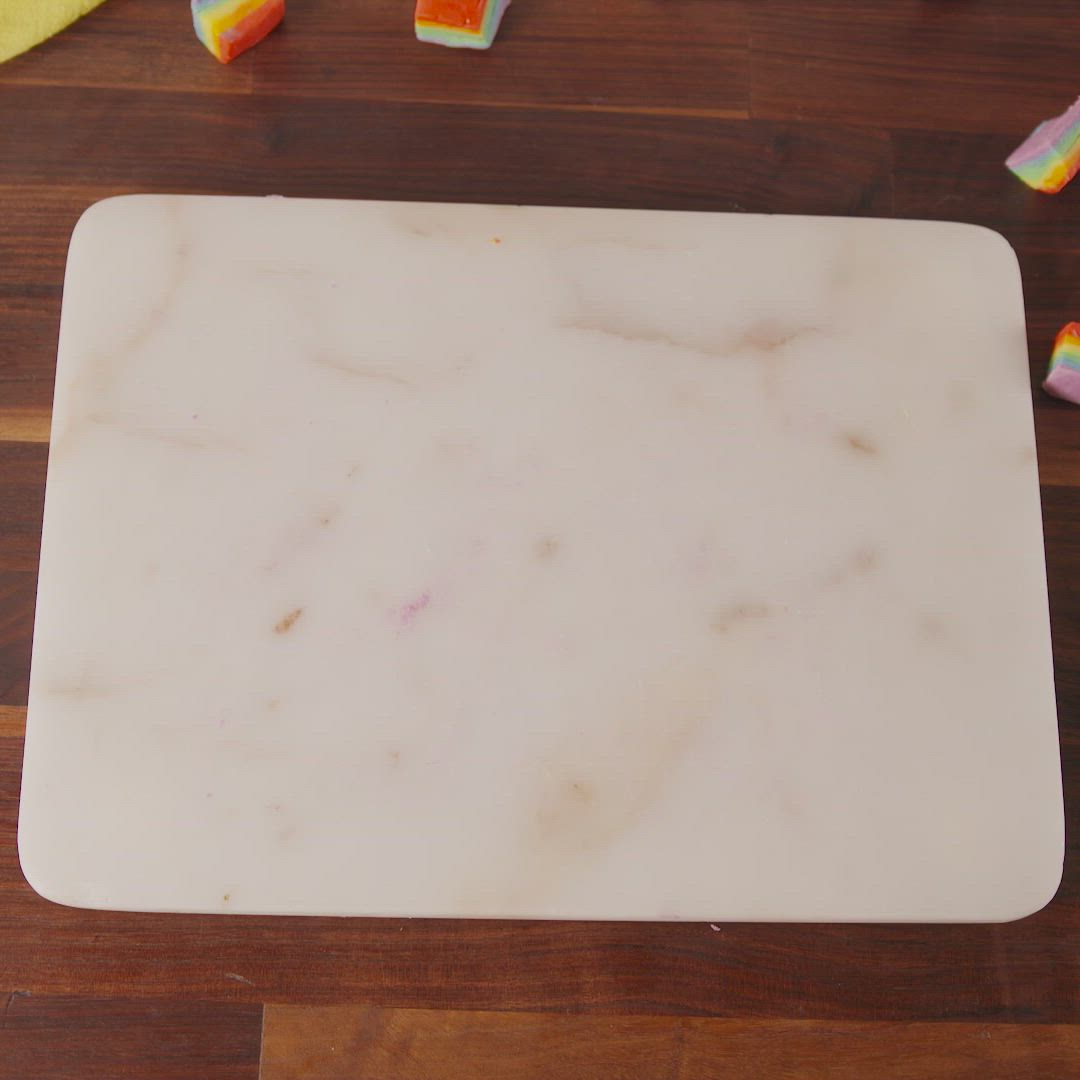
x=460, y=24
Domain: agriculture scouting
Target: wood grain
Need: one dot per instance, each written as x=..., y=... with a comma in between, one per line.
x=344, y=1043
x=12, y=721
x=981, y=65
x=88, y=1039
x=22, y=498
x=279, y=145
x=27, y=328
x=680, y=57
x=960, y=177
x=18, y=589
x=799, y=106
x=24, y=424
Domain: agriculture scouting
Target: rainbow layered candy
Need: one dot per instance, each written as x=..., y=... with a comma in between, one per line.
x=1063, y=378
x=461, y=24
x=1050, y=156
x=229, y=27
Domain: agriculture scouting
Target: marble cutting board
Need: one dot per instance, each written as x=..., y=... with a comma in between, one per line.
x=414, y=559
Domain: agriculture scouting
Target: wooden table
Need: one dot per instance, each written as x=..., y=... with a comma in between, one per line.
x=905, y=109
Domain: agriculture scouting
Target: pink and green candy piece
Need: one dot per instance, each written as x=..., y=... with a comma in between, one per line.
x=1050, y=156
x=229, y=27
x=1063, y=378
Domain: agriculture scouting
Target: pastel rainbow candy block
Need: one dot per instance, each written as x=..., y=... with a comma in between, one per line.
x=461, y=24
x=1063, y=378
x=1050, y=156
x=229, y=27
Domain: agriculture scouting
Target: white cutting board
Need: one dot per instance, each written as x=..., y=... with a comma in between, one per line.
x=412, y=559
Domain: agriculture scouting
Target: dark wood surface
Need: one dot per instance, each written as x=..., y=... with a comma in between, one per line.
x=76, y=1038
x=345, y=1042
x=902, y=108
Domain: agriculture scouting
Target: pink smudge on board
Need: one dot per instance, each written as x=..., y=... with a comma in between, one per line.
x=407, y=612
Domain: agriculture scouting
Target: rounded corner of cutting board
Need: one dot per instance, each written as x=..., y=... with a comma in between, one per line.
x=1040, y=896
x=41, y=862
x=993, y=246
x=99, y=214
x=37, y=868
x=985, y=235
x=1037, y=888
x=104, y=221
x=998, y=246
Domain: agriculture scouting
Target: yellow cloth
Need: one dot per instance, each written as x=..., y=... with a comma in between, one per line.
x=26, y=23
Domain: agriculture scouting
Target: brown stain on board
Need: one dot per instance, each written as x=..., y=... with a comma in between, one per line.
x=547, y=548
x=859, y=444
x=598, y=784
x=287, y=622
